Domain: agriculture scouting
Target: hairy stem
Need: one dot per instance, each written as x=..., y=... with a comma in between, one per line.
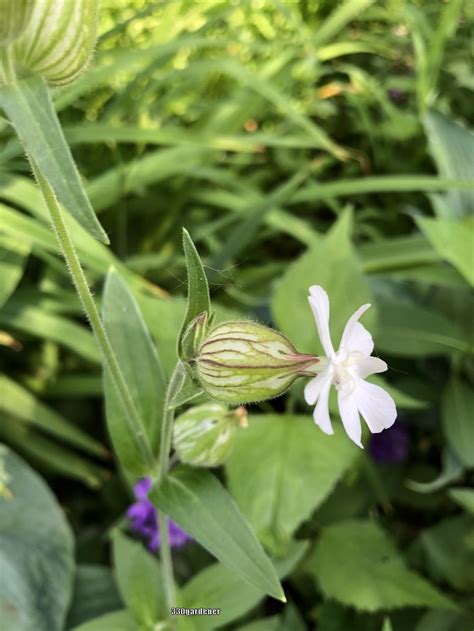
x=173, y=389
x=82, y=287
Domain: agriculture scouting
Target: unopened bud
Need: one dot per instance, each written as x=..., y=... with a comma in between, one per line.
x=204, y=435
x=14, y=16
x=58, y=40
x=243, y=362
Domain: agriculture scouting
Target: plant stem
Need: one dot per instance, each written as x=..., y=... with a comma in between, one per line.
x=174, y=387
x=82, y=287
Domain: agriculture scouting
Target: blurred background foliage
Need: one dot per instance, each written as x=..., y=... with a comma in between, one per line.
x=299, y=142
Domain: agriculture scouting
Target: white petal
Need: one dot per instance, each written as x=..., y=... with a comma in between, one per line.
x=355, y=336
x=321, y=411
x=350, y=417
x=313, y=388
x=370, y=366
x=319, y=302
x=376, y=406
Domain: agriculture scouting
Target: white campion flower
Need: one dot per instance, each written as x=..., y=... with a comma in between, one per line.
x=347, y=369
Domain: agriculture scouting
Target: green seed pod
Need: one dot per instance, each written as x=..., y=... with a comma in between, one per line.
x=242, y=362
x=204, y=435
x=14, y=16
x=58, y=41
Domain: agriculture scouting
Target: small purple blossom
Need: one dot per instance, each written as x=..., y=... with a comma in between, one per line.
x=391, y=445
x=143, y=518
x=396, y=95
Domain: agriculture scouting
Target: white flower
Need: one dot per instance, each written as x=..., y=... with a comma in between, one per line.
x=347, y=369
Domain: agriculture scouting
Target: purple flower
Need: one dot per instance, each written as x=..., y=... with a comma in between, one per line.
x=391, y=445
x=144, y=519
x=396, y=95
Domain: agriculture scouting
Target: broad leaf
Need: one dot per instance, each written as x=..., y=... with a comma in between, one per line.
x=138, y=576
x=219, y=587
x=141, y=368
x=199, y=503
x=356, y=563
x=332, y=264
x=282, y=467
x=457, y=410
x=28, y=105
x=198, y=289
x=450, y=553
x=36, y=551
x=454, y=241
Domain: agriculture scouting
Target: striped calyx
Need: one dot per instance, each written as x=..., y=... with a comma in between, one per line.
x=204, y=435
x=243, y=362
x=58, y=40
x=14, y=16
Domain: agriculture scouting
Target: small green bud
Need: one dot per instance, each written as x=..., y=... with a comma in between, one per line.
x=58, y=40
x=242, y=362
x=204, y=435
x=14, y=16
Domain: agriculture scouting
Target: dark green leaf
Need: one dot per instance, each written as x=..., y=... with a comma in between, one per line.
x=197, y=501
x=457, y=409
x=36, y=551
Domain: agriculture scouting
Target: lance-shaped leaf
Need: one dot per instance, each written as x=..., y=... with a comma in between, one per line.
x=141, y=368
x=199, y=503
x=198, y=289
x=28, y=105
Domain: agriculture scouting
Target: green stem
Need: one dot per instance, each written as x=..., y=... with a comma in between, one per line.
x=82, y=287
x=174, y=386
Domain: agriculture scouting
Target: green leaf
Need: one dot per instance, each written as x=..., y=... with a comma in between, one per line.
x=28, y=105
x=198, y=289
x=117, y=621
x=49, y=455
x=13, y=255
x=344, y=13
x=198, y=502
x=331, y=263
x=22, y=405
x=141, y=368
x=36, y=551
x=94, y=594
x=219, y=587
x=274, y=456
x=457, y=408
x=357, y=564
x=452, y=147
x=37, y=322
x=437, y=620
x=464, y=497
x=138, y=577
x=409, y=330
x=454, y=241
x=450, y=553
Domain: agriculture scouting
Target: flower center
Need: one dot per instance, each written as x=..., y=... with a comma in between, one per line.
x=344, y=370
